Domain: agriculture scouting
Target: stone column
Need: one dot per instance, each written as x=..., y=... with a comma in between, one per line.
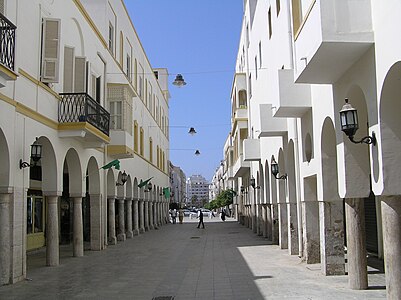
x=292, y=217
x=264, y=224
x=259, y=219
x=275, y=224
x=95, y=222
x=283, y=226
x=111, y=221
x=121, y=221
x=141, y=216
x=356, y=244
x=157, y=219
x=391, y=216
x=151, y=225
x=52, y=232
x=311, y=232
x=146, y=214
x=129, y=232
x=332, y=237
x=5, y=242
x=269, y=221
x=78, y=230
x=136, y=221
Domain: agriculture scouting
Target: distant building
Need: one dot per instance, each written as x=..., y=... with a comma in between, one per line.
x=177, y=185
x=197, y=191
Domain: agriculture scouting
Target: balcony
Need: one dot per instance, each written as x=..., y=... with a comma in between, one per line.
x=229, y=175
x=269, y=125
x=7, y=51
x=294, y=99
x=332, y=37
x=251, y=149
x=241, y=167
x=82, y=117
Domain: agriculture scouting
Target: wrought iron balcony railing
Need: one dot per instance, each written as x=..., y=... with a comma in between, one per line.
x=80, y=107
x=7, y=42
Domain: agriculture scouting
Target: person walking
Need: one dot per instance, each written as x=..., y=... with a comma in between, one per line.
x=180, y=215
x=174, y=215
x=223, y=215
x=200, y=216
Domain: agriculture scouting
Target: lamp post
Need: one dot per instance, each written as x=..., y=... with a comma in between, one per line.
x=179, y=81
x=36, y=155
x=275, y=170
x=349, y=124
x=124, y=178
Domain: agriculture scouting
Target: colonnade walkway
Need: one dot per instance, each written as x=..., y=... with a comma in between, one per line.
x=223, y=261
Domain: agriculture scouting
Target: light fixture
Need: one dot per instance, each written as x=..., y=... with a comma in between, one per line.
x=275, y=170
x=197, y=152
x=243, y=190
x=148, y=187
x=253, y=183
x=179, y=81
x=124, y=178
x=349, y=124
x=36, y=155
x=191, y=131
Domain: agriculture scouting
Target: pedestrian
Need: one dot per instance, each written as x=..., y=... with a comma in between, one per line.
x=200, y=216
x=174, y=215
x=180, y=215
x=223, y=215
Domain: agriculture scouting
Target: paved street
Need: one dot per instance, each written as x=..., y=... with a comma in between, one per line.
x=223, y=261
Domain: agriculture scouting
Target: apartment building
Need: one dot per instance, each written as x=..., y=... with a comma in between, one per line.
x=300, y=180
x=197, y=190
x=84, y=124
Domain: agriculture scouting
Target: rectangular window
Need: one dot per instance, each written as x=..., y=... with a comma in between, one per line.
x=250, y=85
x=68, y=78
x=116, y=115
x=247, y=35
x=270, y=22
x=256, y=67
x=141, y=142
x=135, y=136
x=80, y=75
x=50, y=50
x=111, y=38
x=296, y=15
x=278, y=6
x=128, y=67
x=150, y=150
x=260, y=54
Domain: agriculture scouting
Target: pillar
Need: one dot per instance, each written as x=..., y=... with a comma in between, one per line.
x=111, y=221
x=146, y=214
x=135, y=217
x=391, y=216
x=129, y=232
x=5, y=242
x=95, y=222
x=269, y=222
x=259, y=219
x=121, y=221
x=151, y=225
x=141, y=216
x=332, y=237
x=292, y=217
x=356, y=243
x=283, y=226
x=275, y=224
x=78, y=230
x=311, y=232
x=264, y=221
x=52, y=232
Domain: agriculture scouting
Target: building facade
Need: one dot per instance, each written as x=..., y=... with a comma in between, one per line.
x=297, y=62
x=178, y=185
x=75, y=79
x=197, y=191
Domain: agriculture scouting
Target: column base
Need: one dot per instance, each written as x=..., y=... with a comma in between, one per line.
x=141, y=230
x=121, y=237
x=129, y=234
x=146, y=228
x=112, y=240
x=135, y=232
x=151, y=227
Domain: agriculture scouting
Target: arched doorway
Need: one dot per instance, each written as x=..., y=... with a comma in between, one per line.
x=92, y=207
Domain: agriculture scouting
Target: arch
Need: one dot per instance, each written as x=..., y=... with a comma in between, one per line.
x=73, y=165
x=4, y=161
x=135, y=188
x=121, y=187
x=281, y=183
x=329, y=161
x=128, y=188
x=111, y=184
x=49, y=166
x=356, y=156
x=390, y=128
x=81, y=49
x=94, y=176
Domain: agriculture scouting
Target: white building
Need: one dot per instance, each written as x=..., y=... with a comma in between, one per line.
x=297, y=62
x=178, y=185
x=197, y=190
x=74, y=76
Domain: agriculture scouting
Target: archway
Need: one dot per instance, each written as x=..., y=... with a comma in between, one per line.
x=92, y=206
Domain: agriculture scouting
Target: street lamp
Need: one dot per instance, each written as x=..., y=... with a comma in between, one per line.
x=191, y=131
x=349, y=124
x=275, y=170
x=179, y=81
x=253, y=183
x=36, y=155
x=124, y=178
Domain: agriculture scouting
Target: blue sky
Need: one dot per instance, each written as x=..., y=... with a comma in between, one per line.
x=199, y=39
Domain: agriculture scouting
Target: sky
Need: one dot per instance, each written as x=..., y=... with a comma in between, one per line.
x=198, y=39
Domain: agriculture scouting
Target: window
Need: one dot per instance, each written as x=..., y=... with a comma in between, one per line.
x=116, y=115
x=247, y=35
x=111, y=38
x=278, y=6
x=156, y=74
x=128, y=67
x=260, y=54
x=135, y=74
x=80, y=75
x=250, y=85
x=141, y=141
x=150, y=150
x=136, y=136
x=296, y=15
x=68, y=78
x=35, y=215
x=256, y=67
x=270, y=22
x=50, y=50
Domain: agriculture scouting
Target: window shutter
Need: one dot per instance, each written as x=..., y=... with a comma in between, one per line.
x=80, y=75
x=68, y=70
x=50, y=50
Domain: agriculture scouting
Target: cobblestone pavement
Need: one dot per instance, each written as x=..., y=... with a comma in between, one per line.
x=223, y=261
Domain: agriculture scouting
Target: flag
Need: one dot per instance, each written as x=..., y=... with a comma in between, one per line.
x=115, y=163
x=166, y=192
x=144, y=183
